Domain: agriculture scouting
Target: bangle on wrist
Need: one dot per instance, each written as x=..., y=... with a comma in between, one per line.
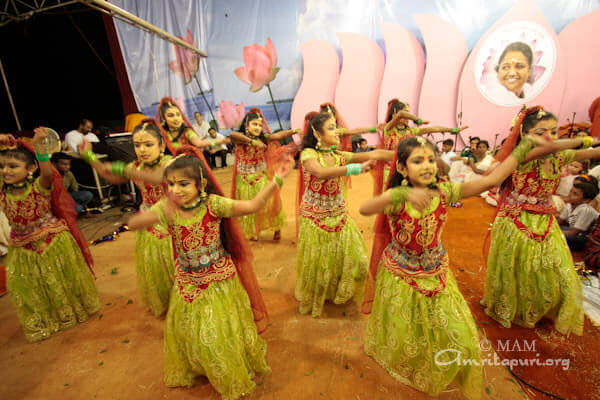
x=118, y=168
x=89, y=156
x=353, y=169
x=42, y=156
x=278, y=181
x=418, y=121
x=342, y=131
x=587, y=141
x=373, y=129
x=454, y=131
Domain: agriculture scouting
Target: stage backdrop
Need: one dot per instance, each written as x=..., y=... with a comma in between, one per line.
x=223, y=27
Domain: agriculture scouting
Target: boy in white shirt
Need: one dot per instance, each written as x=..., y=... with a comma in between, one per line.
x=217, y=150
x=578, y=217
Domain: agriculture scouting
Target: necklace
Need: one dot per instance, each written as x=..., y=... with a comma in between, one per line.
x=153, y=163
x=12, y=186
x=323, y=150
x=196, y=204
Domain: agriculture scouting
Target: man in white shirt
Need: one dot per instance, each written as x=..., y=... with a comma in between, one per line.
x=74, y=138
x=578, y=217
x=216, y=150
x=201, y=127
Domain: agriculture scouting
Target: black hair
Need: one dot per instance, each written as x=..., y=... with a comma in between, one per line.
x=521, y=47
x=193, y=168
x=316, y=123
x=251, y=116
x=212, y=129
x=394, y=108
x=20, y=154
x=405, y=149
x=532, y=119
x=586, y=179
x=362, y=140
x=60, y=156
x=449, y=142
x=83, y=121
x=471, y=138
x=163, y=108
x=484, y=142
x=589, y=191
x=150, y=129
x=198, y=112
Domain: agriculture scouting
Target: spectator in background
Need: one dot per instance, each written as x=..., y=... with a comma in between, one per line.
x=201, y=127
x=216, y=150
x=62, y=162
x=447, y=153
x=74, y=138
x=578, y=217
x=470, y=151
x=362, y=146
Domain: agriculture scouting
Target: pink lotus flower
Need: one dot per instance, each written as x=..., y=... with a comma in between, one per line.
x=229, y=115
x=259, y=65
x=186, y=61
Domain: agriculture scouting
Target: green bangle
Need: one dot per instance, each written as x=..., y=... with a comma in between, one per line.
x=454, y=131
x=278, y=181
x=587, y=141
x=89, y=156
x=42, y=156
x=118, y=168
x=399, y=194
x=373, y=129
x=419, y=121
x=520, y=152
x=353, y=169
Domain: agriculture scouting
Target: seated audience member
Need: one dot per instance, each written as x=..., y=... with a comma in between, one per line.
x=469, y=152
x=568, y=174
x=74, y=138
x=447, y=153
x=578, y=217
x=217, y=150
x=62, y=162
x=595, y=204
x=483, y=160
x=362, y=146
x=201, y=127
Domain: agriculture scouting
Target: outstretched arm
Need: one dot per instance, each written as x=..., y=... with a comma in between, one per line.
x=142, y=220
x=434, y=129
x=283, y=134
x=245, y=207
x=43, y=159
x=418, y=197
x=240, y=138
x=375, y=155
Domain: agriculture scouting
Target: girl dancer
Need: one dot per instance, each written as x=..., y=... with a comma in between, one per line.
x=420, y=321
x=332, y=256
x=48, y=264
x=178, y=129
x=210, y=326
x=154, y=258
x=397, y=129
x=256, y=157
x=530, y=273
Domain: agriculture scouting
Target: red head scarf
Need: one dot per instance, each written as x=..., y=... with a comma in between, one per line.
x=63, y=207
x=186, y=122
x=594, y=113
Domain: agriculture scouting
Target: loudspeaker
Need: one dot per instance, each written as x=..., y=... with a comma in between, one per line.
x=120, y=147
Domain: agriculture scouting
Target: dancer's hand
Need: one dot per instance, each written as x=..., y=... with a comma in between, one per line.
x=7, y=140
x=368, y=165
x=285, y=167
x=462, y=128
x=40, y=134
x=538, y=140
x=258, y=143
x=172, y=203
x=420, y=198
x=84, y=146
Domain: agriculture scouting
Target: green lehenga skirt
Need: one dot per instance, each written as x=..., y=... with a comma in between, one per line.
x=330, y=265
x=421, y=341
x=527, y=280
x=215, y=336
x=253, y=224
x=154, y=265
x=51, y=291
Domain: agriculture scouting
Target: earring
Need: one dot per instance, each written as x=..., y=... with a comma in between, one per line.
x=203, y=194
x=319, y=143
x=30, y=177
x=404, y=182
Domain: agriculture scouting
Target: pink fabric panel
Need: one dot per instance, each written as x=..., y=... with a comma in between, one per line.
x=446, y=50
x=486, y=119
x=357, y=93
x=404, y=69
x=580, y=43
x=321, y=72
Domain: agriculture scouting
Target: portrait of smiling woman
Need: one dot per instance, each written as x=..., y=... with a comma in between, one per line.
x=514, y=68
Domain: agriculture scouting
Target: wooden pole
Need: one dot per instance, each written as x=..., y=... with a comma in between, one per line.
x=131, y=18
x=10, y=99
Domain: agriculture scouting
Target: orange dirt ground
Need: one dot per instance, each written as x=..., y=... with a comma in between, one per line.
x=118, y=353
